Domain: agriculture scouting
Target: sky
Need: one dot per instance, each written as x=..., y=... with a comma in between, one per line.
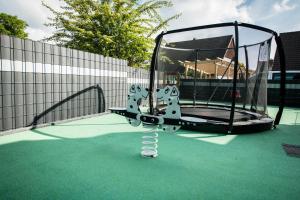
x=279, y=15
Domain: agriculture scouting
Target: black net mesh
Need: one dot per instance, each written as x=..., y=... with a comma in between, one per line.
x=256, y=98
x=203, y=70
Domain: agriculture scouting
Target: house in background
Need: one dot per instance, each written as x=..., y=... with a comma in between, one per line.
x=213, y=59
x=291, y=46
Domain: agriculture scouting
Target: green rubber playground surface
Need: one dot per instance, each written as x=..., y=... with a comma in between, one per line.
x=99, y=158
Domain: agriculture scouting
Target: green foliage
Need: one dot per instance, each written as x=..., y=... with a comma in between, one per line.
x=242, y=65
x=116, y=28
x=12, y=25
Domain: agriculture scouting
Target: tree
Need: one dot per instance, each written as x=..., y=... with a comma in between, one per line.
x=12, y=25
x=117, y=28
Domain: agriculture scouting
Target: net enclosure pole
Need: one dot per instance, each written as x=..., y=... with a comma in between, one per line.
x=282, y=78
x=236, y=60
x=195, y=76
x=158, y=40
x=246, y=77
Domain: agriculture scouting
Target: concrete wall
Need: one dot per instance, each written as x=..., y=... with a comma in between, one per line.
x=36, y=75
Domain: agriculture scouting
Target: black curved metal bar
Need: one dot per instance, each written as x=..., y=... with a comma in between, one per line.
x=219, y=25
x=101, y=100
x=152, y=70
x=235, y=70
x=200, y=27
x=195, y=74
x=260, y=28
x=246, y=78
x=282, y=79
x=215, y=49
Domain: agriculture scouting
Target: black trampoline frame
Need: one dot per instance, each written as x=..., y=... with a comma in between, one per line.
x=230, y=126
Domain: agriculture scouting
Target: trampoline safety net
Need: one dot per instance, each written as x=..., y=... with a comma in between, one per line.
x=202, y=66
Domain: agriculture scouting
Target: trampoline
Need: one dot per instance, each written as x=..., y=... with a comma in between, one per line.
x=217, y=114
x=221, y=71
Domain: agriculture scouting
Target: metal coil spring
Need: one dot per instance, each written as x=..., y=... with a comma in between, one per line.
x=149, y=142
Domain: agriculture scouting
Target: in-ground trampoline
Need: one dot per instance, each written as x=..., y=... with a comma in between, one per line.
x=221, y=71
